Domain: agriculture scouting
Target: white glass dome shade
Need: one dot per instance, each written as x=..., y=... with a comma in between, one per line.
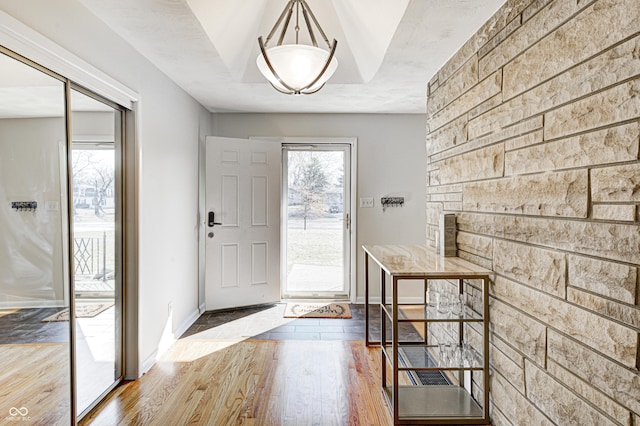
x=297, y=65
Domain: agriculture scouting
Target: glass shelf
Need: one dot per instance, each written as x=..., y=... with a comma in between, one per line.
x=414, y=358
x=413, y=313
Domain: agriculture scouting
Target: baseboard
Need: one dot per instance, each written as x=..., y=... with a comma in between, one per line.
x=202, y=309
x=415, y=300
x=157, y=354
x=27, y=304
x=188, y=322
x=148, y=363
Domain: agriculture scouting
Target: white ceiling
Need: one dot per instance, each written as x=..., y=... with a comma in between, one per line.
x=387, y=49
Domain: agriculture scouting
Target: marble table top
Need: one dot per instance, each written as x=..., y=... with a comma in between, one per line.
x=422, y=261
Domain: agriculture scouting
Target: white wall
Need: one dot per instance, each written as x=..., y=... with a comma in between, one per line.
x=169, y=129
x=31, y=246
x=391, y=154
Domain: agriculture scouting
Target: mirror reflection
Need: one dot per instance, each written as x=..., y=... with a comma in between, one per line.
x=95, y=242
x=34, y=296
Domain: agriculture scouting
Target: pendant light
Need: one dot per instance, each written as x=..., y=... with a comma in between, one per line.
x=297, y=69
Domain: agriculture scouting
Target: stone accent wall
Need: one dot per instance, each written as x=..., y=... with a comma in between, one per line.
x=533, y=140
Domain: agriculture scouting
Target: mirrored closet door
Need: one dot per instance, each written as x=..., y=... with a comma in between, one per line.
x=34, y=283
x=61, y=306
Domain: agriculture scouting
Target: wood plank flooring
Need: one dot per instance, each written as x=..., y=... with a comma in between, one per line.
x=35, y=378
x=253, y=382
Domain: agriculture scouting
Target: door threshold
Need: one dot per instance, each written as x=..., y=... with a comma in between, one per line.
x=317, y=299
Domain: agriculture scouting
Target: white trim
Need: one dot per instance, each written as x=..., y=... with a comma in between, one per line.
x=353, y=155
x=23, y=40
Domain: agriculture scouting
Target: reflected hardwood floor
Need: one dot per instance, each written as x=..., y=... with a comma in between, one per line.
x=253, y=382
x=34, y=378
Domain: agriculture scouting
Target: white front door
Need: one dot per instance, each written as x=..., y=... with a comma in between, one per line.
x=242, y=222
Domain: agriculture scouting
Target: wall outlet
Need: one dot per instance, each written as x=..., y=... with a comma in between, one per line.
x=366, y=202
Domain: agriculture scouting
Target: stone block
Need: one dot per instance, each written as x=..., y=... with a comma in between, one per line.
x=454, y=196
x=492, y=138
x=532, y=138
x=487, y=31
x=588, y=392
x=480, y=261
x=613, y=241
x=484, y=163
x=613, y=145
x=600, y=72
x=500, y=37
x=485, y=106
x=629, y=315
x=529, y=33
x=619, y=212
x=536, y=267
x=461, y=81
x=586, y=34
x=521, y=331
x=614, y=380
x=563, y=194
x=618, y=183
x=475, y=244
x=453, y=134
x=433, y=213
x=561, y=405
x=472, y=98
x=613, y=280
x=612, y=339
x=497, y=418
x=611, y=106
x=514, y=405
x=508, y=351
x=513, y=372
x=444, y=189
x=433, y=84
x=534, y=8
x=452, y=206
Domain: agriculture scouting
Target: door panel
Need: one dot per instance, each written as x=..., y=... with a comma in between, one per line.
x=243, y=243
x=96, y=136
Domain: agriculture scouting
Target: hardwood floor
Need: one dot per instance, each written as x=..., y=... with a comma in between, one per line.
x=254, y=367
x=253, y=382
x=35, y=380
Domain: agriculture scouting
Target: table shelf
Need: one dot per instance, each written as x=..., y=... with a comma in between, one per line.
x=447, y=404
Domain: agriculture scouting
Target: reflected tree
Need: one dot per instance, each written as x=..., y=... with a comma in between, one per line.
x=94, y=176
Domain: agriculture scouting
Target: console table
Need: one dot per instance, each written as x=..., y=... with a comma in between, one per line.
x=453, y=402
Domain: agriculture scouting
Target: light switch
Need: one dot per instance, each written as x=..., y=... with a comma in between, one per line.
x=366, y=202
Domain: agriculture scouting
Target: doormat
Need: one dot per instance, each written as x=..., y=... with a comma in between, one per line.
x=88, y=310
x=317, y=310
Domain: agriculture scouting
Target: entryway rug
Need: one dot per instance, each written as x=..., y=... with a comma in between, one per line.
x=83, y=310
x=317, y=310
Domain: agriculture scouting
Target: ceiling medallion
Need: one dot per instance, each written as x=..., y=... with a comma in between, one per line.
x=297, y=69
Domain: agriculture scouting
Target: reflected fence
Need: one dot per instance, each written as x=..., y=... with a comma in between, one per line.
x=90, y=257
